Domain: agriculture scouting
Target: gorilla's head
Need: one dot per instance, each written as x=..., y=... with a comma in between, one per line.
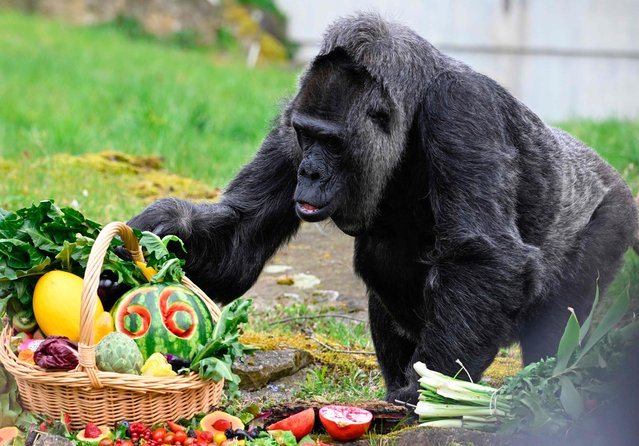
x=352, y=116
x=349, y=142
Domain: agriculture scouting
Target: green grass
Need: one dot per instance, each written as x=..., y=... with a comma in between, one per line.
x=358, y=385
x=349, y=333
x=78, y=90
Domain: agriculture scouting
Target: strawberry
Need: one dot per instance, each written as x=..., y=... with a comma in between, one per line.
x=92, y=431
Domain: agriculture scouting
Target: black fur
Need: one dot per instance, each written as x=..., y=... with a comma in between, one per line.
x=476, y=224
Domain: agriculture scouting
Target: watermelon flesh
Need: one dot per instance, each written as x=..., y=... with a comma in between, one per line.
x=164, y=318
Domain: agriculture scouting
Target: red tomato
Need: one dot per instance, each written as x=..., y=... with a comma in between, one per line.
x=158, y=434
x=126, y=443
x=180, y=436
x=169, y=438
x=345, y=423
x=189, y=441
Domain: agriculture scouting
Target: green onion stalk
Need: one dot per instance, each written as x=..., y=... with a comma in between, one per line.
x=453, y=403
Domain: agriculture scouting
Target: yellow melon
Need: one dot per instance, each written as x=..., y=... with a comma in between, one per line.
x=56, y=304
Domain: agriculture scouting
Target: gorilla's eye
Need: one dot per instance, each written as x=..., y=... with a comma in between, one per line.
x=381, y=118
x=304, y=138
x=332, y=143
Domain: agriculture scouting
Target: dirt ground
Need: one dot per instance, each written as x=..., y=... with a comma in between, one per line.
x=320, y=250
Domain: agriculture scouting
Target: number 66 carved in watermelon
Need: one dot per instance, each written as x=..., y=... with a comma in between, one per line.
x=165, y=318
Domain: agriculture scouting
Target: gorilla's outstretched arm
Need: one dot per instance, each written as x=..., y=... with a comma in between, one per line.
x=228, y=242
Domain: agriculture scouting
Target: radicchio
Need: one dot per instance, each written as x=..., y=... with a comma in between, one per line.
x=57, y=352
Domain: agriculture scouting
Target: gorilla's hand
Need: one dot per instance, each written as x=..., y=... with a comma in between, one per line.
x=407, y=394
x=171, y=216
x=207, y=231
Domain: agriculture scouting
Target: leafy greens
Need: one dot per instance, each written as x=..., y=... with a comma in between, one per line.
x=44, y=237
x=214, y=360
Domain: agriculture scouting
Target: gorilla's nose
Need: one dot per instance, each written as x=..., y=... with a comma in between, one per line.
x=308, y=173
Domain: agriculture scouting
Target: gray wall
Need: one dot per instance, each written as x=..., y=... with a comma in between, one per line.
x=563, y=58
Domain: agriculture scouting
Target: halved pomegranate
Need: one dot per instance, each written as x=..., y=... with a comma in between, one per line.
x=345, y=423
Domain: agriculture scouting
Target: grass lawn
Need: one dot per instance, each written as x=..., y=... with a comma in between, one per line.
x=77, y=91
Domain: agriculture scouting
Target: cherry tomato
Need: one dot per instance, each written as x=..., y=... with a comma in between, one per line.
x=180, y=436
x=169, y=438
x=158, y=434
x=200, y=442
x=106, y=442
x=126, y=443
x=219, y=437
x=189, y=441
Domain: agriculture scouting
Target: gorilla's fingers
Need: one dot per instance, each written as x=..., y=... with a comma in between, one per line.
x=407, y=394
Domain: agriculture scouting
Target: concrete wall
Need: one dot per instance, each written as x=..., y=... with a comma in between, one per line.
x=563, y=58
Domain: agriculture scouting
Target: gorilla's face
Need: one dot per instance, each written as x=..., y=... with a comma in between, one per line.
x=343, y=122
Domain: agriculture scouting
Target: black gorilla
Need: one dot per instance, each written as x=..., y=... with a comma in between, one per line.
x=475, y=224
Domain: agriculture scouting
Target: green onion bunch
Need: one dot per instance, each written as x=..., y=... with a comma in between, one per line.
x=450, y=402
x=550, y=396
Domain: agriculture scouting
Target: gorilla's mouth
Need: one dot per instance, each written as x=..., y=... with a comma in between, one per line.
x=312, y=213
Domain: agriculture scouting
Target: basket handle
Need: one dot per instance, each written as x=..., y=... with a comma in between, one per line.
x=86, y=346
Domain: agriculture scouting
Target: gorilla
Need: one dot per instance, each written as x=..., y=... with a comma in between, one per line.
x=476, y=225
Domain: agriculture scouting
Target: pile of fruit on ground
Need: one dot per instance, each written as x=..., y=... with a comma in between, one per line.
x=218, y=428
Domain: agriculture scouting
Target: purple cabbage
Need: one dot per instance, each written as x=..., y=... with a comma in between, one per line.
x=57, y=352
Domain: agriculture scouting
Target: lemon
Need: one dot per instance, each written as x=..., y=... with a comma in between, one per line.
x=56, y=304
x=103, y=326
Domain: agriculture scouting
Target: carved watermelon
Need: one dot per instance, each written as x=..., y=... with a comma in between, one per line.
x=164, y=318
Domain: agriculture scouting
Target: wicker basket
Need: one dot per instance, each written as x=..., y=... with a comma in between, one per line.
x=87, y=394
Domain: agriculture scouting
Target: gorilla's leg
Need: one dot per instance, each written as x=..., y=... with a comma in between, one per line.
x=393, y=350
x=593, y=264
